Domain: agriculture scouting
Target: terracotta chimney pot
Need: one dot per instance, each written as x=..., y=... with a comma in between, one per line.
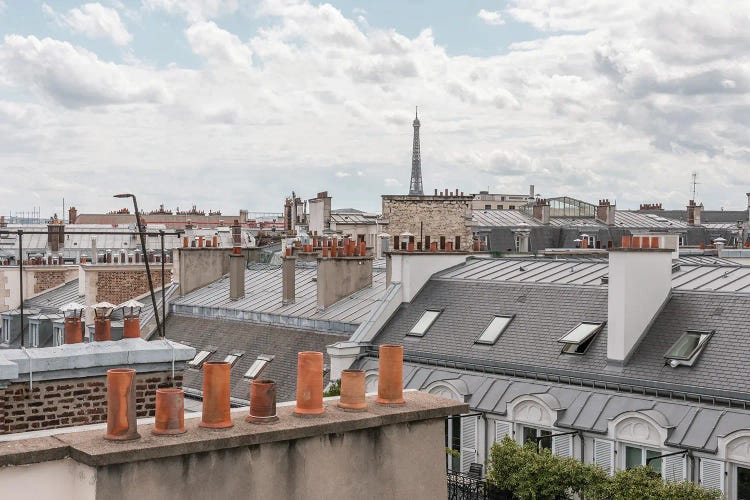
x=262, y=402
x=410, y=246
x=309, y=383
x=102, y=329
x=73, y=333
x=391, y=375
x=131, y=328
x=121, y=420
x=353, y=390
x=215, y=241
x=170, y=412
x=654, y=242
x=362, y=248
x=216, y=405
x=626, y=242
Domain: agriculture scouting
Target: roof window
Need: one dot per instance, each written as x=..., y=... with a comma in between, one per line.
x=424, y=323
x=493, y=331
x=232, y=358
x=578, y=340
x=199, y=359
x=687, y=348
x=258, y=366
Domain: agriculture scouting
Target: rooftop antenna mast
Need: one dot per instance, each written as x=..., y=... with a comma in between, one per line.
x=694, y=183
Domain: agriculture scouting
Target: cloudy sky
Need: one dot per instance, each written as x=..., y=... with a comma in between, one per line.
x=233, y=104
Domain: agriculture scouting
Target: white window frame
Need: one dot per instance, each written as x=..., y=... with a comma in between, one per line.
x=232, y=358
x=495, y=319
x=59, y=335
x=421, y=332
x=571, y=345
x=6, y=330
x=644, y=454
x=703, y=339
x=258, y=366
x=33, y=334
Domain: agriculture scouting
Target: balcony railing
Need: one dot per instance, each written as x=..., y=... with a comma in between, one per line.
x=470, y=487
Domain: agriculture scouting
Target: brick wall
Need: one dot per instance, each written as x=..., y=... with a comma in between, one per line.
x=44, y=280
x=121, y=285
x=447, y=216
x=64, y=403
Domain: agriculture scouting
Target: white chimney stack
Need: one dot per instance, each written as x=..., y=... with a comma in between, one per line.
x=640, y=282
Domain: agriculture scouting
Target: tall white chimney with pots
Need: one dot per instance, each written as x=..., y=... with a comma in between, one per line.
x=640, y=282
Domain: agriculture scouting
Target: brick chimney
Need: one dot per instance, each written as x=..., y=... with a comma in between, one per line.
x=288, y=277
x=694, y=213
x=72, y=215
x=640, y=282
x=541, y=210
x=4, y=224
x=605, y=213
x=55, y=234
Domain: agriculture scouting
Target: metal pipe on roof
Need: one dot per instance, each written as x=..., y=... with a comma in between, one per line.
x=20, y=277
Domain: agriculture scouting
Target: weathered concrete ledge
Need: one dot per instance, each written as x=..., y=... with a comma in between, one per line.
x=91, y=359
x=90, y=447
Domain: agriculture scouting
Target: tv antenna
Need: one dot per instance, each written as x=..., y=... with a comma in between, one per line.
x=694, y=183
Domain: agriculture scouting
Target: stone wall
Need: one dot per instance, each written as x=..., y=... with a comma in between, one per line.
x=63, y=403
x=432, y=216
x=117, y=286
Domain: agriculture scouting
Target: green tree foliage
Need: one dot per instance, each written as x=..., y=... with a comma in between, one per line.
x=334, y=389
x=539, y=475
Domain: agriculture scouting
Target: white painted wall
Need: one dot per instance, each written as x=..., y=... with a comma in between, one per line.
x=60, y=479
x=639, y=285
x=317, y=216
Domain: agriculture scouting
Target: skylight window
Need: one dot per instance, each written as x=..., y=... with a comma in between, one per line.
x=199, y=359
x=258, y=366
x=493, y=331
x=688, y=348
x=232, y=358
x=578, y=340
x=424, y=323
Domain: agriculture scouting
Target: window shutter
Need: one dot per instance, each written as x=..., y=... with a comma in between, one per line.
x=712, y=474
x=562, y=446
x=468, y=442
x=502, y=429
x=674, y=468
x=604, y=455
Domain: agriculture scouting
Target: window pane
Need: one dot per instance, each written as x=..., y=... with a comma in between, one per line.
x=529, y=434
x=684, y=346
x=633, y=457
x=493, y=331
x=743, y=483
x=654, y=464
x=546, y=441
x=424, y=323
x=581, y=332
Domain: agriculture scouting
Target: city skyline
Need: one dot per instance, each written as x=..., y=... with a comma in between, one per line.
x=234, y=104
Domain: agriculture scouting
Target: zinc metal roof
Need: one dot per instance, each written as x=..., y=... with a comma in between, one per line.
x=692, y=425
x=49, y=302
x=262, y=300
x=623, y=218
x=692, y=275
x=352, y=218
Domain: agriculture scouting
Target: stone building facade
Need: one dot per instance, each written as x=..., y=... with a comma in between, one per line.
x=441, y=219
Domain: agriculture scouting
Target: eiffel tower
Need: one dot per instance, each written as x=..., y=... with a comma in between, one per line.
x=415, y=186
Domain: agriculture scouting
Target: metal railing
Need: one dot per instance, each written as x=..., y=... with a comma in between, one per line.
x=466, y=487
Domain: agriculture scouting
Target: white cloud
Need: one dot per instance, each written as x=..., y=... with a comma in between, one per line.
x=218, y=46
x=72, y=76
x=491, y=17
x=343, y=174
x=619, y=100
x=194, y=10
x=93, y=20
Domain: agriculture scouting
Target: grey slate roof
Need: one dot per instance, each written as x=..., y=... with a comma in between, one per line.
x=691, y=425
x=545, y=312
x=50, y=301
x=227, y=337
x=262, y=302
x=623, y=218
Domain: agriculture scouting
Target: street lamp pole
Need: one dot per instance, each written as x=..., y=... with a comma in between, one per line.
x=145, y=255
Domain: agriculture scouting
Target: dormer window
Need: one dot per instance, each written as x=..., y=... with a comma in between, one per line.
x=424, y=323
x=688, y=348
x=578, y=340
x=34, y=334
x=199, y=359
x=58, y=335
x=6, y=330
x=493, y=331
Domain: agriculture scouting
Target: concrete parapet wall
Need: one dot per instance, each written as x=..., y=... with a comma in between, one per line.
x=384, y=452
